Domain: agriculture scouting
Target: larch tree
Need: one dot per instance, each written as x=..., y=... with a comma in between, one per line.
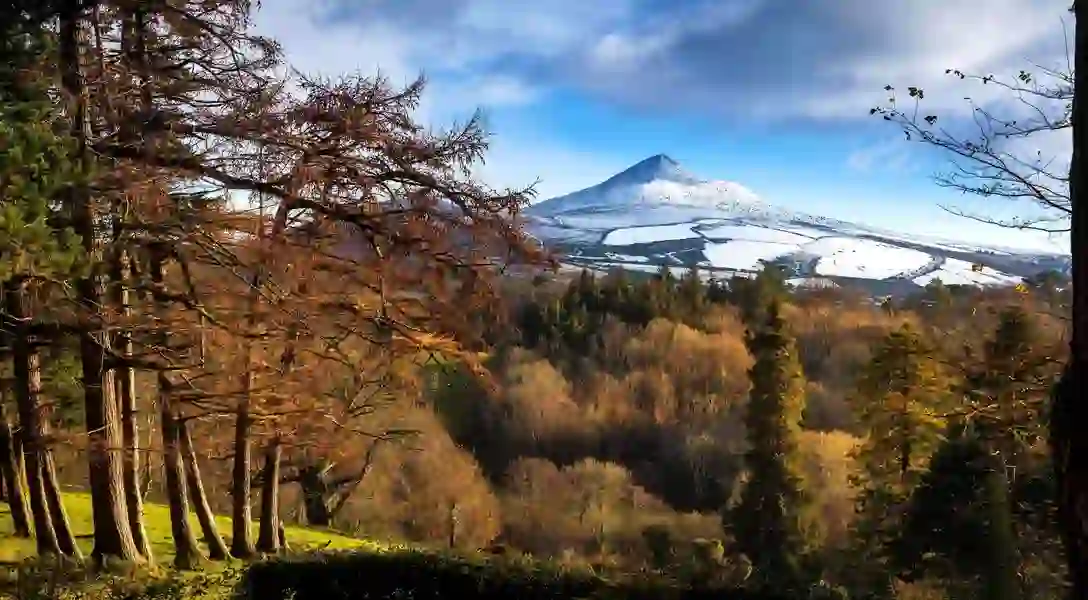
x=900, y=396
x=163, y=116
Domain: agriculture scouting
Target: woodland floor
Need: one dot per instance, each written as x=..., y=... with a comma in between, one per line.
x=157, y=523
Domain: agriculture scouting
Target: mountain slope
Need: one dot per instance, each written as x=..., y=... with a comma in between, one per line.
x=656, y=213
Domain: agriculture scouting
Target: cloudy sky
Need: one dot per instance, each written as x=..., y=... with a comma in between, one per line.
x=774, y=94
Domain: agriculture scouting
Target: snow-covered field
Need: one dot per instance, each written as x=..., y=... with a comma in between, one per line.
x=643, y=235
x=853, y=257
x=626, y=257
x=959, y=272
x=744, y=254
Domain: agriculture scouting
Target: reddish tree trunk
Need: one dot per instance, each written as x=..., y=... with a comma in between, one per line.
x=52, y=532
x=186, y=549
x=217, y=549
x=268, y=537
x=112, y=534
x=132, y=32
x=241, y=544
x=55, y=501
x=14, y=490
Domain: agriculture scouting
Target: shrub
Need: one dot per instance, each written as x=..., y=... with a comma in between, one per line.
x=414, y=574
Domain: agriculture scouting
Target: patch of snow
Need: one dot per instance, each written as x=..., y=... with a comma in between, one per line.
x=626, y=257
x=712, y=194
x=959, y=272
x=744, y=254
x=811, y=282
x=863, y=258
x=753, y=233
x=642, y=235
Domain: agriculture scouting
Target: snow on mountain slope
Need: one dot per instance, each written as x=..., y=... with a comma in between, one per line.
x=862, y=258
x=656, y=213
x=643, y=235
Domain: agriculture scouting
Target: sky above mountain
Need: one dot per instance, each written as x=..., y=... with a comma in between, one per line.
x=773, y=94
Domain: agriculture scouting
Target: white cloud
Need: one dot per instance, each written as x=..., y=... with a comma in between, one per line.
x=743, y=59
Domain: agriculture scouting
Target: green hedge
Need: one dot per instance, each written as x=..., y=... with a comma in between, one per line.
x=419, y=575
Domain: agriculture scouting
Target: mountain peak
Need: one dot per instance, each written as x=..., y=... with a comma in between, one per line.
x=659, y=167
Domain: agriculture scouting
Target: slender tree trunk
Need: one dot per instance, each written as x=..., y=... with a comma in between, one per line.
x=53, y=498
x=217, y=549
x=14, y=490
x=186, y=548
x=125, y=378
x=241, y=544
x=45, y=536
x=125, y=375
x=112, y=534
x=50, y=526
x=268, y=537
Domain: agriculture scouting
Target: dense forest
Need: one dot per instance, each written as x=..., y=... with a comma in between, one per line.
x=232, y=289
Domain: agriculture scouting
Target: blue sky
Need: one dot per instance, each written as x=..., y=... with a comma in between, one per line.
x=773, y=94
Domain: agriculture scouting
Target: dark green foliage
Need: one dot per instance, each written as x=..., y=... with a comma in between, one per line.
x=34, y=162
x=959, y=524
x=571, y=322
x=1006, y=389
x=766, y=523
x=754, y=295
x=944, y=529
x=424, y=575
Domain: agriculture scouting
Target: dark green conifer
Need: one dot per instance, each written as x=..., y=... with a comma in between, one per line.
x=766, y=522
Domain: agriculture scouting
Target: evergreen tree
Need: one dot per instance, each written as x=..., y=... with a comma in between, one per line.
x=899, y=397
x=34, y=252
x=766, y=522
x=754, y=295
x=958, y=526
x=1006, y=389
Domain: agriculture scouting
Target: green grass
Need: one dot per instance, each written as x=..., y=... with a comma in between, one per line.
x=157, y=524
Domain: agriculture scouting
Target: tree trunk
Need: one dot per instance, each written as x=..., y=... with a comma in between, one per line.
x=217, y=549
x=63, y=527
x=186, y=549
x=268, y=538
x=1069, y=404
x=112, y=534
x=131, y=463
x=125, y=378
x=241, y=544
x=316, y=491
x=241, y=485
x=14, y=490
x=45, y=536
x=33, y=418
x=125, y=375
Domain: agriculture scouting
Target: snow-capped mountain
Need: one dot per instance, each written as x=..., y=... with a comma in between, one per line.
x=656, y=213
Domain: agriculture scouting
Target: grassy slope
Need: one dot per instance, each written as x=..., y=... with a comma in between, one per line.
x=157, y=522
